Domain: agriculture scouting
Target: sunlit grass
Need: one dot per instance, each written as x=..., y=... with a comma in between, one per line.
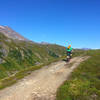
x=84, y=83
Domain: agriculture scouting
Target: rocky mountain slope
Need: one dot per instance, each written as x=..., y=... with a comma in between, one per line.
x=10, y=33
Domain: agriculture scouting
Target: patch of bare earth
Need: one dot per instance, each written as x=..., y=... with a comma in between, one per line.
x=43, y=83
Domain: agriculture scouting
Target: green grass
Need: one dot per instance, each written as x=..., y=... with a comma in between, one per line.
x=20, y=55
x=19, y=58
x=84, y=83
x=8, y=81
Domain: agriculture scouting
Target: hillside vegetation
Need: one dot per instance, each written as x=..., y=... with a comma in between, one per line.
x=84, y=83
x=17, y=57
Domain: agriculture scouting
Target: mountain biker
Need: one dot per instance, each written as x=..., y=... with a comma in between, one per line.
x=69, y=51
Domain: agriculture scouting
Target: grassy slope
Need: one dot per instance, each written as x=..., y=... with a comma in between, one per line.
x=20, y=58
x=84, y=83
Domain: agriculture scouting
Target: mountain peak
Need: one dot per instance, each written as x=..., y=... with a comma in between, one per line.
x=2, y=27
x=10, y=33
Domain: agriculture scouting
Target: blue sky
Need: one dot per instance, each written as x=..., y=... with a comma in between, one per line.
x=54, y=21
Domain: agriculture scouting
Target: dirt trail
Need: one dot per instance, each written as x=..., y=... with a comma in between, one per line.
x=41, y=84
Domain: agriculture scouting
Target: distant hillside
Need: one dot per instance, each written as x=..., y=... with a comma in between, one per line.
x=86, y=48
x=16, y=55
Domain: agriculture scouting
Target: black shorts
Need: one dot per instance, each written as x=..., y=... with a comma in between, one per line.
x=69, y=53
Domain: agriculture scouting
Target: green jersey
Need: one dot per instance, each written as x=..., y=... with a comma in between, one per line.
x=69, y=50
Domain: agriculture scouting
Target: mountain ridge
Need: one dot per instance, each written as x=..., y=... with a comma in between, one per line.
x=10, y=33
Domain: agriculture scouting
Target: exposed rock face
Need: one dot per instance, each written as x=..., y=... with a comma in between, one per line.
x=11, y=33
